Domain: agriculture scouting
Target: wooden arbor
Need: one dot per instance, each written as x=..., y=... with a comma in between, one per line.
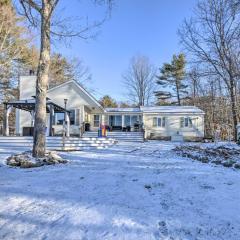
x=29, y=106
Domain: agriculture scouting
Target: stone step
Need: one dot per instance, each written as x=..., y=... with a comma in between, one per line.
x=60, y=148
x=57, y=143
x=106, y=140
x=120, y=136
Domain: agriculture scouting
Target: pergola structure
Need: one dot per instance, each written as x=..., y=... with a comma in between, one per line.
x=29, y=106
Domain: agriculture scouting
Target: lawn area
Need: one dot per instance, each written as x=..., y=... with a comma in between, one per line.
x=129, y=191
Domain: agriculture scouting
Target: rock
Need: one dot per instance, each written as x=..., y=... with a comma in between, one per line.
x=28, y=164
x=62, y=161
x=217, y=162
x=237, y=165
x=25, y=160
x=204, y=159
x=12, y=162
x=148, y=186
x=228, y=163
x=55, y=156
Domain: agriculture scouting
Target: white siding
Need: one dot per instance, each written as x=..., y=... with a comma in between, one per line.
x=173, y=126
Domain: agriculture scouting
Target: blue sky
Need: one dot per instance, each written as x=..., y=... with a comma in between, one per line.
x=146, y=27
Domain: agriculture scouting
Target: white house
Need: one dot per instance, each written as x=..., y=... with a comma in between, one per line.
x=86, y=114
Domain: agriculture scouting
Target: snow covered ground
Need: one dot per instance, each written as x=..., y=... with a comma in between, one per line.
x=130, y=191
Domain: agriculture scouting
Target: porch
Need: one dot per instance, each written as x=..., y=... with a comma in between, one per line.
x=124, y=119
x=28, y=107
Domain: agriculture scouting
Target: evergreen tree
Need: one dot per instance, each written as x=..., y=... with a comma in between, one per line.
x=107, y=101
x=63, y=69
x=172, y=76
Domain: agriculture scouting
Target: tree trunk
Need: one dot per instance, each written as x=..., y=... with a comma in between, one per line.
x=39, y=143
x=234, y=109
x=178, y=93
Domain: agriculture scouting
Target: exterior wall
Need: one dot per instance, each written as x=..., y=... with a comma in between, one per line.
x=77, y=100
x=24, y=120
x=74, y=103
x=27, y=87
x=173, y=127
x=89, y=117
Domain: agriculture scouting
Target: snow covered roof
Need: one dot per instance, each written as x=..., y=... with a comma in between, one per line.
x=157, y=109
x=131, y=110
x=172, y=109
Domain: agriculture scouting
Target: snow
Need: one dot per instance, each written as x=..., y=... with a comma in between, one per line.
x=123, y=110
x=172, y=109
x=129, y=191
x=158, y=109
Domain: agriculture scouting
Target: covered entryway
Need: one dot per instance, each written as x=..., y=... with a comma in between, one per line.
x=29, y=106
x=125, y=122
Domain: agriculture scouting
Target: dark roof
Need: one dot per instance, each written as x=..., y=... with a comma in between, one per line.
x=29, y=105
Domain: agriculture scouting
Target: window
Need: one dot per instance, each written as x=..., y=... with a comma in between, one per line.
x=134, y=120
x=115, y=120
x=127, y=120
x=186, y=122
x=159, y=122
x=59, y=118
x=130, y=120
x=72, y=117
x=96, y=120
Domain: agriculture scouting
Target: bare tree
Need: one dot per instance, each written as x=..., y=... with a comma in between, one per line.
x=41, y=13
x=139, y=81
x=212, y=40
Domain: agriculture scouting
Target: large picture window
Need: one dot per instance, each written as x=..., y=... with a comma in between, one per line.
x=130, y=120
x=115, y=120
x=159, y=122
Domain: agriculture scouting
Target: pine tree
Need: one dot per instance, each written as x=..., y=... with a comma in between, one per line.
x=172, y=77
x=107, y=101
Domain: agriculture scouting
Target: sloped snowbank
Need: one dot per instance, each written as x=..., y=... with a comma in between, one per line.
x=227, y=155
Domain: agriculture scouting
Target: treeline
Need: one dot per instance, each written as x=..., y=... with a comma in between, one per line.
x=207, y=72
x=19, y=55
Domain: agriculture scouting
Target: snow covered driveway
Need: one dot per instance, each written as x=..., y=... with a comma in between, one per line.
x=137, y=191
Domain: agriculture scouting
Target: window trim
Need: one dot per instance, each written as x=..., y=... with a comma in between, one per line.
x=56, y=120
x=162, y=121
x=74, y=110
x=99, y=120
x=186, y=122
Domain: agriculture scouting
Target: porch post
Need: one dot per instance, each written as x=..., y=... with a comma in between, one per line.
x=67, y=125
x=103, y=119
x=5, y=120
x=32, y=118
x=51, y=110
x=123, y=120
